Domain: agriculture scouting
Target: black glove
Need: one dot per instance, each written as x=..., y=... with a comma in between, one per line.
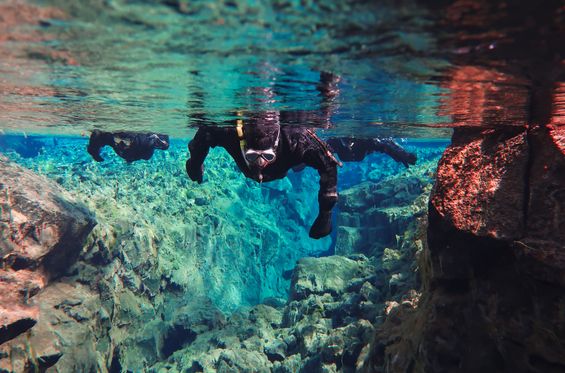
x=195, y=173
x=322, y=225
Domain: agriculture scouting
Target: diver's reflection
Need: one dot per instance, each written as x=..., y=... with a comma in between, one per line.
x=131, y=146
x=265, y=150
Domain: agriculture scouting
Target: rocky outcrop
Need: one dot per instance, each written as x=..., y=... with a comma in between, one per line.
x=477, y=168
x=42, y=227
x=494, y=278
x=373, y=215
x=42, y=230
x=324, y=327
x=212, y=235
x=154, y=288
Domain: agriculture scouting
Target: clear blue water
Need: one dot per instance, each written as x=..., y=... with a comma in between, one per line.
x=170, y=67
x=150, y=67
x=408, y=71
x=229, y=221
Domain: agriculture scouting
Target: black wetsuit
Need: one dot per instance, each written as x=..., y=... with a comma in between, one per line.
x=298, y=146
x=131, y=146
x=350, y=149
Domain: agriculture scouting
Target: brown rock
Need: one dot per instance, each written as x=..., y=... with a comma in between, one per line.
x=16, y=316
x=65, y=333
x=40, y=224
x=493, y=299
x=41, y=233
x=480, y=184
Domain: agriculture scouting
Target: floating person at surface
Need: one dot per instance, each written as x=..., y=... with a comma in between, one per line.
x=265, y=151
x=266, y=147
x=131, y=146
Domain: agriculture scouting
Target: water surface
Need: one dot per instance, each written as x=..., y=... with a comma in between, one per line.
x=406, y=69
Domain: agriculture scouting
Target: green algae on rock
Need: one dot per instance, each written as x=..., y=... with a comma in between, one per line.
x=171, y=275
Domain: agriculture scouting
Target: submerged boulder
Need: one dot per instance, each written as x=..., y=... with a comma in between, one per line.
x=327, y=275
x=41, y=224
x=42, y=229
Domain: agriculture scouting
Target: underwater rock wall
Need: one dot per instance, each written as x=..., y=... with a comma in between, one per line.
x=373, y=215
x=209, y=236
x=335, y=302
x=323, y=327
x=164, y=245
x=494, y=278
x=168, y=259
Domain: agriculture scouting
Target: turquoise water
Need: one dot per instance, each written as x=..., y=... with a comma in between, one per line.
x=258, y=231
x=194, y=276
x=150, y=67
x=156, y=67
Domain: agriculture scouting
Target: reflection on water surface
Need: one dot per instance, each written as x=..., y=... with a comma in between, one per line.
x=168, y=66
x=164, y=256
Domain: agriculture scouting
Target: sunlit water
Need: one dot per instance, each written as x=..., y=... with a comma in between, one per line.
x=171, y=249
x=165, y=68
x=410, y=72
x=169, y=67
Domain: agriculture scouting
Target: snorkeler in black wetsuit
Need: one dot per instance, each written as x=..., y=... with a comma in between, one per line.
x=131, y=146
x=265, y=148
x=265, y=151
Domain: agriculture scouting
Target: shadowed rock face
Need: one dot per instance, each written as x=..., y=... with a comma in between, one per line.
x=494, y=293
x=41, y=233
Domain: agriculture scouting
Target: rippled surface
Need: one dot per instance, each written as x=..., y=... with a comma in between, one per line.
x=407, y=70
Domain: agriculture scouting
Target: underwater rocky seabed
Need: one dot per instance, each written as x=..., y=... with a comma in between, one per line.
x=176, y=276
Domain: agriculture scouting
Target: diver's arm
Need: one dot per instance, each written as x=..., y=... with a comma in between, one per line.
x=327, y=194
x=199, y=146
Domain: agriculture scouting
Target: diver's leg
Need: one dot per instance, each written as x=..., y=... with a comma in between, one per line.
x=395, y=151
